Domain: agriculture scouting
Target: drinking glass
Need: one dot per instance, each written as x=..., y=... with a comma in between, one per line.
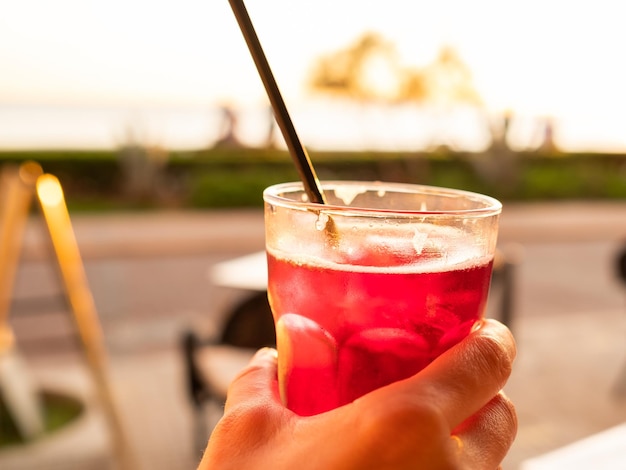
x=372, y=286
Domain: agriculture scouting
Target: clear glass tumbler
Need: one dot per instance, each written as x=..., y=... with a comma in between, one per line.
x=372, y=286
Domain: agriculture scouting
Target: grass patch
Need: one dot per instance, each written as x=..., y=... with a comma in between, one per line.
x=58, y=411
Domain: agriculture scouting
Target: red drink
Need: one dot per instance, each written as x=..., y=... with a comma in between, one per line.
x=370, y=287
x=346, y=328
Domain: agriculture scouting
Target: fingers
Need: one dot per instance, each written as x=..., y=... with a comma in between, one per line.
x=252, y=414
x=257, y=382
x=430, y=405
x=466, y=377
x=458, y=383
x=486, y=437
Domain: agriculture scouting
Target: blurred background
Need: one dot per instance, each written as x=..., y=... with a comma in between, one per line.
x=154, y=120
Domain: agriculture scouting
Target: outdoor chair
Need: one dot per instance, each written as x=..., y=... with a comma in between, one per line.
x=501, y=305
x=249, y=327
x=211, y=363
x=620, y=270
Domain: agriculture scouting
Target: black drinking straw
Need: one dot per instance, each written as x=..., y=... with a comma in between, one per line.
x=296, y=149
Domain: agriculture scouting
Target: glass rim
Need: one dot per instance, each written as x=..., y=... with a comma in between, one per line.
x=274, y=195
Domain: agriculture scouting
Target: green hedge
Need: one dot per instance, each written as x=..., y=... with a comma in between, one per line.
x=236, y=178
x=235, y=187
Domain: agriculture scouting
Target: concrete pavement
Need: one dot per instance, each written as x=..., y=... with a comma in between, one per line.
x=190, y=232
x=148, y=275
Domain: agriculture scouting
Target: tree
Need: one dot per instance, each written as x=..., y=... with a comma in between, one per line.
x=449, y=80
x=352, y=72
x=368, y=71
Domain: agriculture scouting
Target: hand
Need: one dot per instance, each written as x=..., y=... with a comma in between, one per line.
x=451, y=415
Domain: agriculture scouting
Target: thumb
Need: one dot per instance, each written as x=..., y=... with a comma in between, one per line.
x=257, y=382
x=250, y=415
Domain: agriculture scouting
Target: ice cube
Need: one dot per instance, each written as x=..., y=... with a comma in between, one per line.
x=372, y=358
x=380, y=249
x=452, y=336
x=307, y=359
x=418, y=241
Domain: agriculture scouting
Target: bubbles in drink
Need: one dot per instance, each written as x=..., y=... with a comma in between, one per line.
x=423, y=247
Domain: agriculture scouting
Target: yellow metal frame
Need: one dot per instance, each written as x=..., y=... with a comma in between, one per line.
x=17, y=188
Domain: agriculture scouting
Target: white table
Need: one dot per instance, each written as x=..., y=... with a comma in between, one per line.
x=603, y=451
x=248, y=272
x=220, y=364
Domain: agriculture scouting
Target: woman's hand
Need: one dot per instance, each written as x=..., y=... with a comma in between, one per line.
x=451, y=415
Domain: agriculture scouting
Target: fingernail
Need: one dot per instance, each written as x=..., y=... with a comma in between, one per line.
x=264, y=354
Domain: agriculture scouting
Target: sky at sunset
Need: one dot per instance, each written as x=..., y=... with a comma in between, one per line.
x=534, y=57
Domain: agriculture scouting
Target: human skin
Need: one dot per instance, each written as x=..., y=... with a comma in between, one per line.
x=451, y=415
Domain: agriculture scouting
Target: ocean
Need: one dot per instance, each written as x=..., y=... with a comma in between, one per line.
x=321, y=125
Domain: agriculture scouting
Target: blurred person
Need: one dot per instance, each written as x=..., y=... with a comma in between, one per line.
x=228, y=128
x=270, y=136
x=451, y=415
x=547, y=142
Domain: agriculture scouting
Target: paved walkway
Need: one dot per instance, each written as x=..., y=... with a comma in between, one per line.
x=160, y=234
x=148, y=275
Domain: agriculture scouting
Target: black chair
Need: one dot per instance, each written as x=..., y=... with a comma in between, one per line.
x=620, y=271
x=248, y=327
x=503, y=280
x=620, y=265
